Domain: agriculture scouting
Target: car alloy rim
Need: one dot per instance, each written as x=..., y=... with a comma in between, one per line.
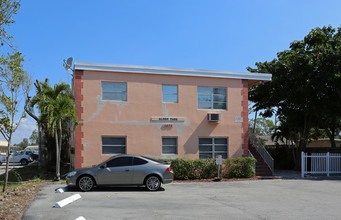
x=153, y=183
x=85, y=183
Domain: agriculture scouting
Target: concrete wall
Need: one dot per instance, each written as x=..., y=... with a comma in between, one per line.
x=132, y=119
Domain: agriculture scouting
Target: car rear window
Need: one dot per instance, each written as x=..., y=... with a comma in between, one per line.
x=139, y=161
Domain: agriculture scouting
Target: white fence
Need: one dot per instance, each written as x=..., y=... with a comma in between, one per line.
x=321, y=163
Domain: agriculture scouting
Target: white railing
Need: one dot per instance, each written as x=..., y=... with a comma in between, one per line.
x=262, y=151
x=321, y=163
x=251, y=155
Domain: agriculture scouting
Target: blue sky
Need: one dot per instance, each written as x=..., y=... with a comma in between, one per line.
x=200, y=34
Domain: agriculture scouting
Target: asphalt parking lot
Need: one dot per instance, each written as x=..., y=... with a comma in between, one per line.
x=262, y=199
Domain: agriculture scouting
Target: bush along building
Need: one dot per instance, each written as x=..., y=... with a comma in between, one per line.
x=160, y=112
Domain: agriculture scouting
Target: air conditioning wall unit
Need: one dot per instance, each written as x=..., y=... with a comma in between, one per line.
x=213, y=117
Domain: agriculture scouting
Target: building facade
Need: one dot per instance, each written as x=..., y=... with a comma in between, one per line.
x=160, y=112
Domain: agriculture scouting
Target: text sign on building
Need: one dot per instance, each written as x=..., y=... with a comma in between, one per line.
x=238, y=119
x=168, y=119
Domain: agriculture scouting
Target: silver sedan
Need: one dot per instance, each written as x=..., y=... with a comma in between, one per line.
x=123, y=170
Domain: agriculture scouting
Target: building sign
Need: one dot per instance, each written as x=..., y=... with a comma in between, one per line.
x=167, y=119
x=238, y=120
x=166, y=126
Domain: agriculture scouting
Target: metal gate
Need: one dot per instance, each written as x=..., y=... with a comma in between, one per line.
x=321, y=163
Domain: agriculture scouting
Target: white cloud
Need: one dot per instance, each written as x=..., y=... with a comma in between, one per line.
x=24, y=130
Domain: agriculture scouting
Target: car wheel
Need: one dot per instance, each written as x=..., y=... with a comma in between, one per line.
x=24, y=162
x=85, y=183
x=153, y=183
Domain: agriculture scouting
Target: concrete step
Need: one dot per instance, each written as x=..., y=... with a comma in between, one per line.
x=262, y=168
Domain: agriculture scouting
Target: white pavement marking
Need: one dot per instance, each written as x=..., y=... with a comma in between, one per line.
x=80, y=218
x=66, y=201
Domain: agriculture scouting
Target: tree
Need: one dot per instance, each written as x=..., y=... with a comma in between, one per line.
x=8, y=9
x=15, y=84
x=34, y=139
x=263, y=126
x=23, y=143
x=30, y=105
x=305, y=89
x=57, y=108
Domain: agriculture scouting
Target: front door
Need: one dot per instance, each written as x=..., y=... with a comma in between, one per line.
x=15, y=157
x=117, y=171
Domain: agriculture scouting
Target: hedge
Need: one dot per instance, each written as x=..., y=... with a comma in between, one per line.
x=239, y=167
x=207, y=168
x=193, y=169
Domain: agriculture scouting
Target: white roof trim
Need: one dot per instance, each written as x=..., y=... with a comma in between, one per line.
x=170, y=71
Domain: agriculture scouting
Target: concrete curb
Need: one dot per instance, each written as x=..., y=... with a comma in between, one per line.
x=67, y=201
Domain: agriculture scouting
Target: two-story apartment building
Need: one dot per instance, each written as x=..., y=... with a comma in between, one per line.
x=160, y=112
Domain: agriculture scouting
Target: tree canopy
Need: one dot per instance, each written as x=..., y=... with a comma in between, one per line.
x=24, y=143
x=305, y=90
x=263, y=126
x=34, y=138
x=57, y=111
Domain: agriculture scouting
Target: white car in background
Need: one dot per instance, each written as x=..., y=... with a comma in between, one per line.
x=16, y=157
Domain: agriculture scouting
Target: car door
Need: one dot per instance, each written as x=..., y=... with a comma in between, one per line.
x=14, y=157
x=139, y=170
x=116, y=171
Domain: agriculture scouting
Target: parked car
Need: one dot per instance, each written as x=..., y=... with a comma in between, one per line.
x=33, y=155
x=123, y=170
x=16, y=157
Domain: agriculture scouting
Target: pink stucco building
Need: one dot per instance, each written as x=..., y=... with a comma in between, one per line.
x=160, y=112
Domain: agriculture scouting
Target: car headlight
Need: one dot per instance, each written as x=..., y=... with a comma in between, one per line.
x=71, y=174
x=30, y=158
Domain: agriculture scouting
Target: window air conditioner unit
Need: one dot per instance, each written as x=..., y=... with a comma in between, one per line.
x=213, y=117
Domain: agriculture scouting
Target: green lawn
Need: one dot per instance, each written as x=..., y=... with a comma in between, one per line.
x=29, y=173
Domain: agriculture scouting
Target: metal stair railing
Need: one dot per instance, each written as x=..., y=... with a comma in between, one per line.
x=262, y=151
x=251, y=155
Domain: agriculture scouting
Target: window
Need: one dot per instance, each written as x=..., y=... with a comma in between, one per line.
x=139, y=161
x=114, y=91
x=211, y=98
x=211, y=147
x=169, y=93
x=113, y=145
x=120, y=162
x=169, y=145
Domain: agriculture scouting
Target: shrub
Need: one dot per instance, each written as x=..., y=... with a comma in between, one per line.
x=193, y=169
x=240, y=167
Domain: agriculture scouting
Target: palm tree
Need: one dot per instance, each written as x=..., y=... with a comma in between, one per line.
x=57, y=107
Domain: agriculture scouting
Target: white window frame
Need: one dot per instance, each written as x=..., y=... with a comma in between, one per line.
x=126, y=93
x=214, y=152
x=177, y=92
x=115, y=145
x=176, y=146
x=212, y=97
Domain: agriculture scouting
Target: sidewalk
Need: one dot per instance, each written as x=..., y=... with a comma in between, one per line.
x=293, y=174
x=288, y=174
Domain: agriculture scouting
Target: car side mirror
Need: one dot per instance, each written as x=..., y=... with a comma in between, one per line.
x=103, y=166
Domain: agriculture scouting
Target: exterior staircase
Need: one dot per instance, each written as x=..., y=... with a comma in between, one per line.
x=265, y=163
x=262, y=169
